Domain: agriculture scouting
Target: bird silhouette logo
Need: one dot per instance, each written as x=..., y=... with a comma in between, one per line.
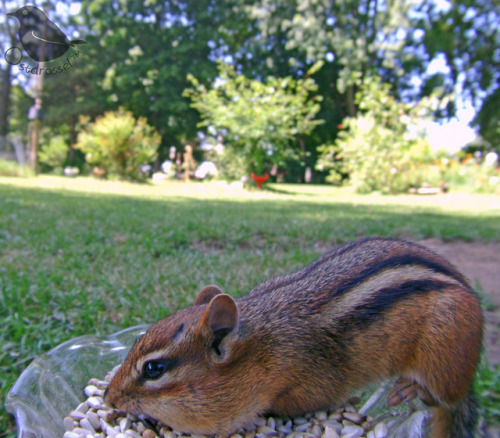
x=41, y=39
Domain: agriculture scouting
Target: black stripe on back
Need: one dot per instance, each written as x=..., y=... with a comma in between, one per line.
x=402, y=260
x=365, y=314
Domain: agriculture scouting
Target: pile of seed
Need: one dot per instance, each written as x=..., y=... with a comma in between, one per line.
x=93, y=418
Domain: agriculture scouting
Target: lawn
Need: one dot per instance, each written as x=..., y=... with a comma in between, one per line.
x=80, y=256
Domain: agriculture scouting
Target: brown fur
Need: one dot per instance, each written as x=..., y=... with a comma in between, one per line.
x=367, y=311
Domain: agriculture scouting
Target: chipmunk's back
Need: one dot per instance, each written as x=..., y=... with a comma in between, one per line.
x=364, y=312
x=374, y=262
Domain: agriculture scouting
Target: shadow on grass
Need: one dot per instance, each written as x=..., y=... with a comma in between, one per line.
x=67, y=212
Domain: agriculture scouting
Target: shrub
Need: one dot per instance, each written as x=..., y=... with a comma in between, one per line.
x=469, y=174
x=118, y=144
x=231, y=165
x=381, y=147
x=11, y=168
x=54, y=153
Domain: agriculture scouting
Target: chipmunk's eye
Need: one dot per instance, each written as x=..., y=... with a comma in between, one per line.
x=154, y=369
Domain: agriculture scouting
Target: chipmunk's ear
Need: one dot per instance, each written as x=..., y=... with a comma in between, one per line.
x=221, y=318
x=206, y=295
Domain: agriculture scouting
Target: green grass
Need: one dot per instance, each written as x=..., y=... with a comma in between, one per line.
x=80, y=256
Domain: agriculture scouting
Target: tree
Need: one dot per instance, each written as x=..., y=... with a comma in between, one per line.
x=467, y=35
x=263, y=119
x=148, y=49
x=395, y=40
x=7, y=31
x=380, y=147
x=358, y=37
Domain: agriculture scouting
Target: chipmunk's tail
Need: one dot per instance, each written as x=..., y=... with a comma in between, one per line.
x=458, y=422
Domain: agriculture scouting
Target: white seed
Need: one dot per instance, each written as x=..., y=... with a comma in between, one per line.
x=370, y=434
x=352, y=432
x=317, y=431
x=285, y=429
x=266, y=430
x=381, y=430
x=336, y=416
x=83, y=407
x=94, y=420
x=354, y=417
x=349, y=408
x=303, y=427
x=300, y=420
x=101, y=384
x=271, y=422
x=106, y=415
x=96, y=403
x=81, y=432
x=346, y=423
x=85, y=423
x=68, y=434
x=335, y=425
x=125, y=424
x=110, y=431
x=69, y=424
x=330, y=433
x=321, y=415
x=132, y=433
x=90, y=390
x=77, y=415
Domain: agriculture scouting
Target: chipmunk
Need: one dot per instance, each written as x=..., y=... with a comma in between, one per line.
x=362, y=313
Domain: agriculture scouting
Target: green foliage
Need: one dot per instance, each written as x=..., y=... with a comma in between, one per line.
x=487, y=388
x=54, y=153
x=119, y=144
x=231, y=165
x=262, y=118
x=465, y=35
x=468, y=174
x=11, y=168
x=380, y=148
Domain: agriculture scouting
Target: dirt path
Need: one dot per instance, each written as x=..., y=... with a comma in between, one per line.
x=480, y=262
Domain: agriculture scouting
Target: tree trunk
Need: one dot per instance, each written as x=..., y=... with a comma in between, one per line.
x=5, y=101
x=351, y=108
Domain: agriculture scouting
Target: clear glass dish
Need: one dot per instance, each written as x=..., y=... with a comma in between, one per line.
x=53, y=385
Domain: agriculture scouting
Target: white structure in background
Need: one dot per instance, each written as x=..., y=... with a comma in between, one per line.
x=205, y=169
x=166, y=166
x=491, y=159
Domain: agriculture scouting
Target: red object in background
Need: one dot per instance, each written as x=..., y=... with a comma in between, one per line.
x=339, y=126
x=260, y=179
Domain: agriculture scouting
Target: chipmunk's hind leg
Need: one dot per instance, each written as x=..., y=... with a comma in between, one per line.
x=405, y=390
x=446, y=358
